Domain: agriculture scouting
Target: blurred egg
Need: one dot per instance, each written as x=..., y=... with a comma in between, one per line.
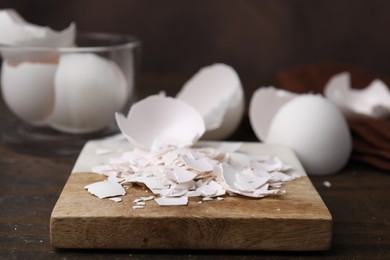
x=309, y=124
x=374, y=100
x=28, y=90
x=216, y=92
x=158, y=121
x=316, y=130
x=88, y=91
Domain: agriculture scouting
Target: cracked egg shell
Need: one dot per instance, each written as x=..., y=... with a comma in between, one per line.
x=89, y=89
x=157, y=121
x=264, y=104
x=216, y=92
x=15, y=31
x=31, y=104
x=374, y=100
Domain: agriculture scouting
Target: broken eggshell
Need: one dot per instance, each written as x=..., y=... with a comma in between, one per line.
x=374, y=100
x=15, y=31
x=105, y=189
x=216, y=92
x=89, y=89
x=310, y=124
x=264, y=104
x=159, y=121
x=32, y=104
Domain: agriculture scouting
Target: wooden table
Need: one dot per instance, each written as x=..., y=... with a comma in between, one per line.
x=358, y=199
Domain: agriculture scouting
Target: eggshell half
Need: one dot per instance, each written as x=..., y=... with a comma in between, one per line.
x=88, y=91
x=28, y=90
x=14, y=30
x=158, y=121
x=264, y=104
x=216, y=92
x=358, y=101
x=316, y=130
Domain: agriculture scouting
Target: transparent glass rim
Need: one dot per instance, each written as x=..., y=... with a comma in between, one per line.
x=119, y=42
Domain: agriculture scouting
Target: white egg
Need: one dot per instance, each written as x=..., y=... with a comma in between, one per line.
x=88, y=91
x=28, y=90
x=158, y=121
x=216, y=92
x=316, y=130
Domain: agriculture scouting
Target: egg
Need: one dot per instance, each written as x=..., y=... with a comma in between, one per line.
x=158, y=121
x=216, y=92
x=88, y=91
x=28, y=90
x=316, y=130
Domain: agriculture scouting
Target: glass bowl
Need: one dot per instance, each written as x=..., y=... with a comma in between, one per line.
x=55, y=99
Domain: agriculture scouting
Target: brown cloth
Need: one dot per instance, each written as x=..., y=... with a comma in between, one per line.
x=370, y=136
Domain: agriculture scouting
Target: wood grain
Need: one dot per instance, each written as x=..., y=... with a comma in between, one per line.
x=298, y=220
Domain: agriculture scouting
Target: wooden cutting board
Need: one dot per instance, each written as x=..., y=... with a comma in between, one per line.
x=297, y=220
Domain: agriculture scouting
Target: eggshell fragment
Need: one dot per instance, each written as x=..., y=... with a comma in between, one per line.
x=164, y=201
x=264, y=105
x=374, y=100
x=14, y=30
x=317, y=132
x=216, y=92
x=28, y=90
x=105, y=189
x=88, y=91
x=159, y=121
x=181, y=175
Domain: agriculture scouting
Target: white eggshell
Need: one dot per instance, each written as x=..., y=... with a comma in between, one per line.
x=316, y=130
x=264, y=104
x=358, y=101
x=105, y=189
x=216, y=92
x=158, y=121
x=28, y=90
x=14, y=30
x=88, y=91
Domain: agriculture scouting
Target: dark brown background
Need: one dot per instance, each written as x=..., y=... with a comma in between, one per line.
x=256, y=37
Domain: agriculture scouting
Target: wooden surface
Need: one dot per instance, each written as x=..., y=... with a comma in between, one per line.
x=358, y=199
x=298, y=220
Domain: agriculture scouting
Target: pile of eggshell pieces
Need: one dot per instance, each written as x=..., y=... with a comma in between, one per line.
x=167, y=158
x=166, y=161
x=208, y=171
x=70, y=92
